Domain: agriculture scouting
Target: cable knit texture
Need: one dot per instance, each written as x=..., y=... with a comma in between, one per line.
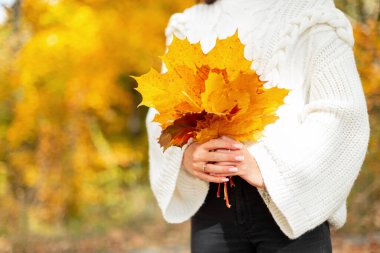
x=310, y=157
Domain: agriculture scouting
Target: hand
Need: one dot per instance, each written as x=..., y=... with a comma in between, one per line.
x=196, y=155
x=248, y=169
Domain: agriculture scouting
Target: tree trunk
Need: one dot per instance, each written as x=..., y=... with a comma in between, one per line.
x=360, y=10
x=16, y=15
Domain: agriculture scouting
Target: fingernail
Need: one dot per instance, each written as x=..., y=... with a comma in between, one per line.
x=225, y=180
x=233, y=169
x=239, y=158
x=237, y=145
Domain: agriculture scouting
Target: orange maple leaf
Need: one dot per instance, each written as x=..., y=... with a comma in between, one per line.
x=205, y=96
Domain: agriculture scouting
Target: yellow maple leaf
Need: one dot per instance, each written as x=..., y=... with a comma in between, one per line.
x=205, y=96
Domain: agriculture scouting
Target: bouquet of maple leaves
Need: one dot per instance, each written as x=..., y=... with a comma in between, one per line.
x=205, y=96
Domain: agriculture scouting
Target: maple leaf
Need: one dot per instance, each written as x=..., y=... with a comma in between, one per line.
x=205, y=96
x=181, y=130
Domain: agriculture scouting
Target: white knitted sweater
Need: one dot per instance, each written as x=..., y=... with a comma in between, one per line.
x=310, y=157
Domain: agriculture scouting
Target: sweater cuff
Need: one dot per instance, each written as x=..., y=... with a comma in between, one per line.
x=189, y=192
x=284, y=207
x=188, y=197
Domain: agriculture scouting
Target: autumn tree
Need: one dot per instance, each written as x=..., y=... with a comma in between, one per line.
x=71, y=136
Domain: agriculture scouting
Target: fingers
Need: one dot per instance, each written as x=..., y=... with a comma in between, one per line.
x=224, y=174
x=232, y=164
x=222, y=143
x=224, y=150
x=212, y=168
x=209, y=178
x=220, y=164
x=204, y=175
x=225, y=137
x=201, y=155
x=223, y=157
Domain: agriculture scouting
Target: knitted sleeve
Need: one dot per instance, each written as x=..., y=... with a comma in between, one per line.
x=178, y=193
x=309, y=169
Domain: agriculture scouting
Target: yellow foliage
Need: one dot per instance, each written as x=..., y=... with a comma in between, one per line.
x=67, y=105
x=367, y=53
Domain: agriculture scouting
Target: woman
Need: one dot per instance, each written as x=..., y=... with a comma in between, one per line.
x=291, y=185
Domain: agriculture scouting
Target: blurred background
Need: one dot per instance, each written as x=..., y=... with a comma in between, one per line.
x=73, y=147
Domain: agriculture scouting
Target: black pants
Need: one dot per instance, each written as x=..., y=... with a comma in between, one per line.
x=248, y=226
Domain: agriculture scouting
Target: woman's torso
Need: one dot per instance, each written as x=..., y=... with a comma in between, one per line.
x=271, y=32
